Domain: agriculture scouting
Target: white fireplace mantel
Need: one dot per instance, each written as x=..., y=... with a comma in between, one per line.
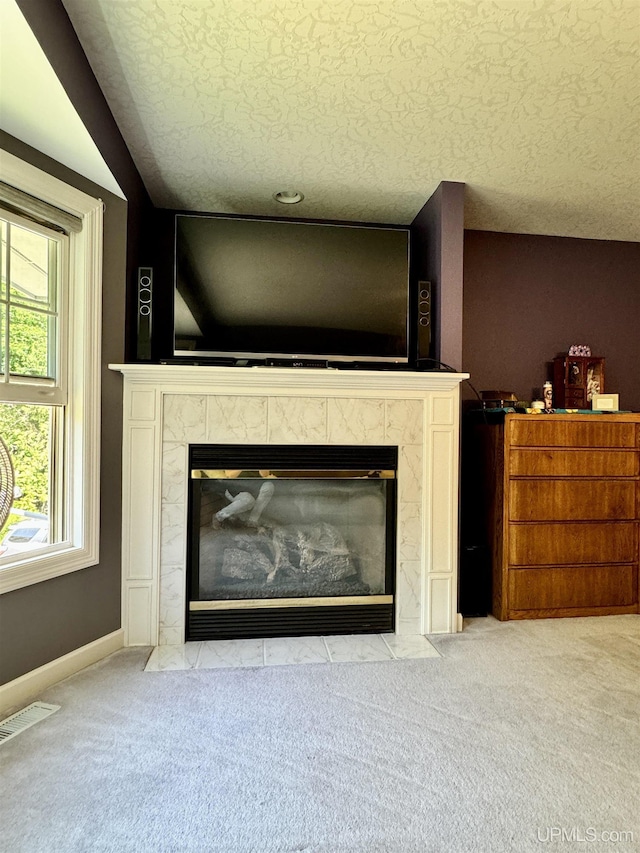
x=169, y=407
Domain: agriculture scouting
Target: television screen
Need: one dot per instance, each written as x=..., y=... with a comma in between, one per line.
x=253, y=288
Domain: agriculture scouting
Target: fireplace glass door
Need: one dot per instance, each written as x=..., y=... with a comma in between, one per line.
x=291, y=549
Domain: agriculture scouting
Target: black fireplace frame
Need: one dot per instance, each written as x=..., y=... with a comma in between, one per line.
x=301, y=620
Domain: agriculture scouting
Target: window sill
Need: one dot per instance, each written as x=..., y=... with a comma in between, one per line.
x=26, y=571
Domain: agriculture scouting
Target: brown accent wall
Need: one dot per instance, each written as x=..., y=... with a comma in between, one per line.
x=528, y=298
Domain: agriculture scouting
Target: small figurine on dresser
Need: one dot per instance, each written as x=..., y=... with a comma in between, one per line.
x=593, y=383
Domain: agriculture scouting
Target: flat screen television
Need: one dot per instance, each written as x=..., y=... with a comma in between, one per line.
x=261, y=289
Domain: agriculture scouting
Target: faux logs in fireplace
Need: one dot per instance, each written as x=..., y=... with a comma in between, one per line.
x=290, y=540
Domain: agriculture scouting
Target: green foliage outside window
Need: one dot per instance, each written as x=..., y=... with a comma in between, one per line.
x=26, y=428
x=28, y=348
x=27, y=313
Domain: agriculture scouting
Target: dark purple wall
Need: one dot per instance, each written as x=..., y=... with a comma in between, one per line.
x=51, y=26
x=436, y=256
x=44, y=621
x=41, y=622
x=528, y=298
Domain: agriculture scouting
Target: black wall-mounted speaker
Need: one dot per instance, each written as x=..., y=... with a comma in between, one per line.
x=424, y=318
x=145, y=295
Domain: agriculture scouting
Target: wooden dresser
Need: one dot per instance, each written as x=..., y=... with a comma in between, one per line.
x=562, y=507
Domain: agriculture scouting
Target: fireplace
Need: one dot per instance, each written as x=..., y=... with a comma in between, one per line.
x=169, y=408
x=290, y=540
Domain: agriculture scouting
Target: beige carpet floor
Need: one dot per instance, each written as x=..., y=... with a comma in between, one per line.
x=519, y=737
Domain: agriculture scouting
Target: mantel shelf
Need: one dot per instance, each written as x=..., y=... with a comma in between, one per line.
x=290, y=378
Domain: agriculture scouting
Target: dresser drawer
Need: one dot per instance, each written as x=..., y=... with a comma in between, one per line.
x=545, y=462
x=572, y=500
x=585, y=586
x=568, y=543
x=548, y=431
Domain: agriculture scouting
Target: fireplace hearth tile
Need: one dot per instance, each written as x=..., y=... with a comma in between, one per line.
x=165, y=658
x=291, y=650
x=407, y=647
x=358, y=647
x=215, y=654
x=282, y=651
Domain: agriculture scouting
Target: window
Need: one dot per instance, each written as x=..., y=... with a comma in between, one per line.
x=33, y=284
x=50, y=283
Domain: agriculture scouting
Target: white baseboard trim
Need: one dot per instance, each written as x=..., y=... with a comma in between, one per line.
x=17, y=693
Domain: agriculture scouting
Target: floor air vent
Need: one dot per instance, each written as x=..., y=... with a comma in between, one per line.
x=30, y=715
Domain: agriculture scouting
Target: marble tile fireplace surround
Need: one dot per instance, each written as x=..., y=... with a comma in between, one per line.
x=169, y=407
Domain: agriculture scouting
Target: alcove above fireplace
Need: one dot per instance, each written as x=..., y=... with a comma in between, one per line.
x=168, y=408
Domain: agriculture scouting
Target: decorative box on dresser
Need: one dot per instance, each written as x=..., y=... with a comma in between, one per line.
x=576, y=379
x=562, y=506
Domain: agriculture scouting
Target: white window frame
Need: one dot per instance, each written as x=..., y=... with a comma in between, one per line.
x=36, y=389
x=82, y=463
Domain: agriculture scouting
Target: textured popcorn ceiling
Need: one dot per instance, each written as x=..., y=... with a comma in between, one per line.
x=366, y=105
